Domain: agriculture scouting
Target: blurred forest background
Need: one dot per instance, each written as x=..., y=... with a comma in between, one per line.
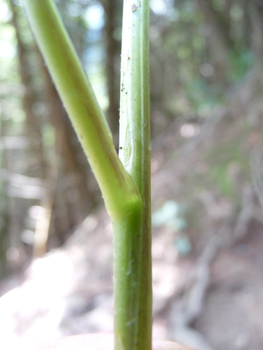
x=206, y=114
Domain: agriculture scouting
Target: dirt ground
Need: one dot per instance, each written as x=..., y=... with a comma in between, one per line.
x=232, y=315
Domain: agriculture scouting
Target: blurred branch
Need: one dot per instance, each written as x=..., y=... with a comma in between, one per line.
x=256, y=162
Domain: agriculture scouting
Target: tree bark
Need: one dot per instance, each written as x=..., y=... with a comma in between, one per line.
x=218, y=23
x=112, y=59
x=32, y=128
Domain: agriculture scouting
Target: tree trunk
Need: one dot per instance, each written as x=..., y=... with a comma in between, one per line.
x=32, y=128
x=219, y=24
x=72, y=208
x=112, y=61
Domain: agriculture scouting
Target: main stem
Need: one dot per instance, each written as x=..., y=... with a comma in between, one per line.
x=132, y=234
x=125, y=184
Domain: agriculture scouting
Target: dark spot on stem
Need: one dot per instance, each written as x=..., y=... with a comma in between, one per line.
x=134, y=7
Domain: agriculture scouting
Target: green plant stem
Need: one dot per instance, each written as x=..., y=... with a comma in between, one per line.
x=132, y=236
x=118, y=189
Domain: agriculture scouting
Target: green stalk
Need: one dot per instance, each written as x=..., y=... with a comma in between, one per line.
x=118, y=189
x=132, y=237
x=125, y=184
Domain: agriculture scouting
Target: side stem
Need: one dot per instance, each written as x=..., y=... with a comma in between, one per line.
x=118, y=188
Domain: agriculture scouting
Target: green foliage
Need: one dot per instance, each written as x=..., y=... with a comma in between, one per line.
x=8, y=72
x=220, y=176
x=228, y=165
x=240, y=63
x=182, y=244
x=49, y=136
x=171, y=214
x=202, y=95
